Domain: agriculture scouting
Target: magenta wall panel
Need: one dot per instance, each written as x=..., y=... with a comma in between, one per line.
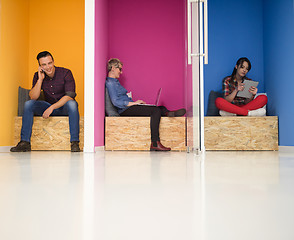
x=149, y=38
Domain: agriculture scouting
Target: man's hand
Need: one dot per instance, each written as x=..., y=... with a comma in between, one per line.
x=36, y=90
x=48, y=112
x=41, y=73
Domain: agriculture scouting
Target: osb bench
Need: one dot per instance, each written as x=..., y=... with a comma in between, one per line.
x=49, y=134
x=241, y=133
x=133, y=133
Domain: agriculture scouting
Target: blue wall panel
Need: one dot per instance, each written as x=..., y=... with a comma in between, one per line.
x=235, y=30
x=279, y=65
x=263, y=31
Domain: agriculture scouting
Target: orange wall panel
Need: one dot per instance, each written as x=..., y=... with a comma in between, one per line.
x=57, y=26
x=14, y=41
x=26, y=28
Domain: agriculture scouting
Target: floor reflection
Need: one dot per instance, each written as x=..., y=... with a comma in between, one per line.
x=153, y=191
x=147, y=195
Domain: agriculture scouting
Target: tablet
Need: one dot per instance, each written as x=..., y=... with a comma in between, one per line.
x=245, y=93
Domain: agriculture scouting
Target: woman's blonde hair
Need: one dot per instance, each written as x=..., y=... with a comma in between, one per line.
x=113, y=62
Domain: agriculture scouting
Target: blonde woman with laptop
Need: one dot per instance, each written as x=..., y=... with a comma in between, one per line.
x=127, y=107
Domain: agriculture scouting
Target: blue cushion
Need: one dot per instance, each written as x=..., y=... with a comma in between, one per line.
x=212, y=110
x=110, y=110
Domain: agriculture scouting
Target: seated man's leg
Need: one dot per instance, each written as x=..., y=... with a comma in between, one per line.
x=74, y=120
x=71, y=110
x=31, y=108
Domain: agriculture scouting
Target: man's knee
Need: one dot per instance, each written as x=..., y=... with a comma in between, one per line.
x=29, y=105
x=72, y=106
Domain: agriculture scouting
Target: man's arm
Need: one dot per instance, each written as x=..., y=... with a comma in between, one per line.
x=36, y=90
x=56, y=105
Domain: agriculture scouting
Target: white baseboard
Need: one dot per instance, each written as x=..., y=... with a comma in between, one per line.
x=100, y=148
x=286, y=148
x=5, y=148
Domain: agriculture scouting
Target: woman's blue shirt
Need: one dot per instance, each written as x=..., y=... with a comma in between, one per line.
x=117, y=94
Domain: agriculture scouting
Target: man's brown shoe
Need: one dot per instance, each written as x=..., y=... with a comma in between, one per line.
x=158, y=147
x=75, y=146
x=22, y=146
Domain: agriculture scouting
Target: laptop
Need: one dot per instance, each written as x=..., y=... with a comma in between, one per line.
x=156, y=101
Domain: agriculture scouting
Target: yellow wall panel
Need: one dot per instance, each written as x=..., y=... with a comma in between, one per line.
x=14, y=41
x=57, y=26
x=28, y=27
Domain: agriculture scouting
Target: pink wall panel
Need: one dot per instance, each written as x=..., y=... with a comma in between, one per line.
x=101, y=57
x=149, y=38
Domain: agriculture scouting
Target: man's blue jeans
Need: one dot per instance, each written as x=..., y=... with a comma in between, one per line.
x=36, y=108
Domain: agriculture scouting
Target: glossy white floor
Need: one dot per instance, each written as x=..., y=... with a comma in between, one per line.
x=147, y=195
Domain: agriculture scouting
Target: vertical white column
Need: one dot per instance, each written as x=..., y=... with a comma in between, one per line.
x=196, y=74
x=197, y=23
x=89, y=75
x=205, y=32
x=201, y=80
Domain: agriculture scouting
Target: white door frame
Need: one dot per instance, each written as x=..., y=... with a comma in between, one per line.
x=89, y=75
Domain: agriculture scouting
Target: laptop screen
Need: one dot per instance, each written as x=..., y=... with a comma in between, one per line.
x=158, y=96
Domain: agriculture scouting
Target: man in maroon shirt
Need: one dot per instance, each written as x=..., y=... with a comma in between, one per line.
x=58, y=86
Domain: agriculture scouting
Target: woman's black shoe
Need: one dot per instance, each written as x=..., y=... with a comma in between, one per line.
x=178, y=113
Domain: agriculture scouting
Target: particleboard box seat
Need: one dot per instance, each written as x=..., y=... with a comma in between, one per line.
x=49, y=134
x=221, y=133
x=133, y=133
x=241, y=133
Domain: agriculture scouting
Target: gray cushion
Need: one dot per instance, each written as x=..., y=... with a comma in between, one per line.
x=212, y=110
x=23, y=96
x=110, y=110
